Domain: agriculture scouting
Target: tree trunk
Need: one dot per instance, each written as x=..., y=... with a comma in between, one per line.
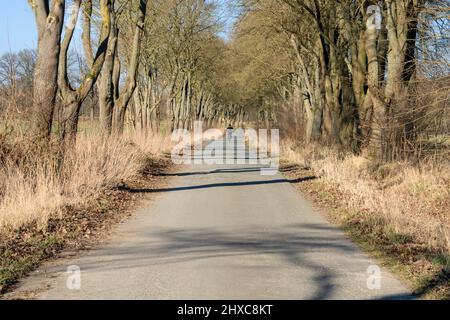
x=122, y=101
x=69, y=122
x=49, y=25
x=108, y=83
x=73, y=99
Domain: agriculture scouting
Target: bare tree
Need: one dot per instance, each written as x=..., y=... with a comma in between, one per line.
x=126, y=93
x=72, y=99
x=114, y=100
x=49, y=16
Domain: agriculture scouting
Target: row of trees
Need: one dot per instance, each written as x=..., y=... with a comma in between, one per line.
x=51, y=68
x=144, y=63
x=359, y=74
x=180, y=59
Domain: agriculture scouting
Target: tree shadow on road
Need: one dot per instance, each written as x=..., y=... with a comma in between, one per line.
x=295, y=245
x=208, y=172
x=219, y=185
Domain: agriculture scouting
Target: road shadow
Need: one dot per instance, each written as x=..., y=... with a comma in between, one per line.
x=175, y=246
x=297, y=246
x=217, y=185
x=218, y=171
x=400, y=296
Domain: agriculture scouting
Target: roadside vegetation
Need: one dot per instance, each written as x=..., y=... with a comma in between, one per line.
x=396, y=211
x=49, y=203
x=37, y=184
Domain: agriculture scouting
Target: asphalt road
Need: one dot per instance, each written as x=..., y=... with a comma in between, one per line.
x=223, y=232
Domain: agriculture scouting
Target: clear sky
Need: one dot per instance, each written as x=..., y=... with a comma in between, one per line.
x=18, y=30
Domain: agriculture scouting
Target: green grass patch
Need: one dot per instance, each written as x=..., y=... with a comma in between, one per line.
x=19, y=256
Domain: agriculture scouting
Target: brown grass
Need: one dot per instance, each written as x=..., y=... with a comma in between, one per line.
x=397, y=212
x=400, y=198
x=36, y=184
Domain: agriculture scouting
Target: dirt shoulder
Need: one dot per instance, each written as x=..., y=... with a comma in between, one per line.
x=425, y=271
x=77, y=229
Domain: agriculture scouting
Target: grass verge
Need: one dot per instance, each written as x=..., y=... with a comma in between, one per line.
x=425, y=268
x=47, y=207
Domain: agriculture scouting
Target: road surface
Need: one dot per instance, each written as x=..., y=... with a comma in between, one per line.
x=223, y=232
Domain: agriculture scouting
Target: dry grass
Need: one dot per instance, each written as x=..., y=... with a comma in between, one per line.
x=398, y=198
x=156, y=144
x=36, y=184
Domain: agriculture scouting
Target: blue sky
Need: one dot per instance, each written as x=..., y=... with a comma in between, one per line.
x=18, y=30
